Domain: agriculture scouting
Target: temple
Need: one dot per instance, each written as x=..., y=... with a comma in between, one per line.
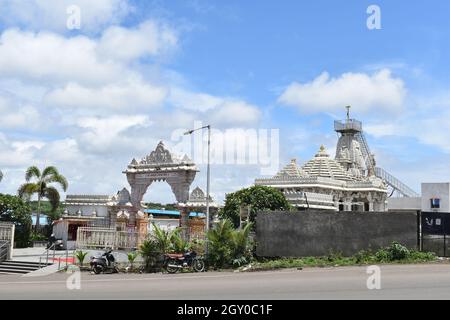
x=349, y=182
x=125, y=210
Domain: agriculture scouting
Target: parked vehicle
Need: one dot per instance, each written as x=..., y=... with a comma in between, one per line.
x=174, y=262
x=55, y=243
x=104, y=263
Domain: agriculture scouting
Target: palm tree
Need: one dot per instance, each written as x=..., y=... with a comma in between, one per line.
x=42, y=187
x=1, y=175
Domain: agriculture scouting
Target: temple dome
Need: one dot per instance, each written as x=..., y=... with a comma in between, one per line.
x=291, y=170
x=324, y=166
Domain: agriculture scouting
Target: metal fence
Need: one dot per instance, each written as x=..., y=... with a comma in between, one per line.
x=6, y=231
x=440, y=245
x=90, y=238
x=7, y=236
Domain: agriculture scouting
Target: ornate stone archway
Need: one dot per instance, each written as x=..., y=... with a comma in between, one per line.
x=161, y=165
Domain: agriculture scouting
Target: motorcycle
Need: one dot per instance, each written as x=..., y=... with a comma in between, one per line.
x=103, y=263
x=54, y=243
x=178, y=261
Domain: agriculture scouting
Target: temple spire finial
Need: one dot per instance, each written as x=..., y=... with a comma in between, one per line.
x=348, y=112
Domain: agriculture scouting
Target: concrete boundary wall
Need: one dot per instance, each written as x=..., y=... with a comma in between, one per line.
x=317, y=233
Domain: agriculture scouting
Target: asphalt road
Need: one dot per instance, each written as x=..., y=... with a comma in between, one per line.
x=397, y=282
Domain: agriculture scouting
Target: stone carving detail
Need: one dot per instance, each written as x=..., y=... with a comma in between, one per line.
x=160, y=155
x=197, y=194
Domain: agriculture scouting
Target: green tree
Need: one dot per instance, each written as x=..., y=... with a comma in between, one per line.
x=46, y=209
x=14, y=209
x=42, y=187
x=258, y=198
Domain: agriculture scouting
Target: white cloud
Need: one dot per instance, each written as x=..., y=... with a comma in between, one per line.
x=127, y=96
x=185, y=99
x=222, y=111
x=149, y=38
x=236, y=113
x=18, y=115
x=366, y=92
x=50, y=58
x=114, y=135
x=52, y=14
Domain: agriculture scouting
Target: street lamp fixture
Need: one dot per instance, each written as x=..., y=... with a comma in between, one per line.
x=208, y=174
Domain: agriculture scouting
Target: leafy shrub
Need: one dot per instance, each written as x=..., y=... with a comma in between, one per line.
x=383, y=255
x=178, y=244
x=36, y=236
x=150, y=251
x=229, y=247
x=398, y=251
x=80, y=255
x=220, y=244
x=132, y=257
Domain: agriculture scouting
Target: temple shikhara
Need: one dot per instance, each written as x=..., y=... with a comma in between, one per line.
x=348, y=182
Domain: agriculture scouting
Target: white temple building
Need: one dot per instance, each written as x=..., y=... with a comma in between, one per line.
x=323, y=183
x=349, y=182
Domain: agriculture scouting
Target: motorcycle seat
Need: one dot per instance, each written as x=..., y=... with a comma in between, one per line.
x=175, y=255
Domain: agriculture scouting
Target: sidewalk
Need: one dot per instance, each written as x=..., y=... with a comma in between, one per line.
x=33, y=254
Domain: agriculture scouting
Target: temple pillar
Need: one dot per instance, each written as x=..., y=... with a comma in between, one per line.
x=184, y=222
x=348, y=204
x=112, y=217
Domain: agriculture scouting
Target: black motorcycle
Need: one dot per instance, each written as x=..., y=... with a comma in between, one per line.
x=54, y=243
x=104, y=263
x=175, y=262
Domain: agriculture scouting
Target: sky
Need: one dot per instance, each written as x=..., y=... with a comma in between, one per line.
x=88, y=100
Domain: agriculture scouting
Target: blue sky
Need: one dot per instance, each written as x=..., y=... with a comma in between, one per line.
x=90, y=100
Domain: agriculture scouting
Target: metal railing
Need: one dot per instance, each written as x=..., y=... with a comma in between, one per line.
x=4, y=250
x=47, y=256
x=349, y=124
x=88, y=237
x=395, y=183
x=6, y=231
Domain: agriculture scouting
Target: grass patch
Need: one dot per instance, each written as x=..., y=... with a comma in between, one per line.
x=395, y=253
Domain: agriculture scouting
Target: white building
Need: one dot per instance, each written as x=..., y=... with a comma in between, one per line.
x=435, y=197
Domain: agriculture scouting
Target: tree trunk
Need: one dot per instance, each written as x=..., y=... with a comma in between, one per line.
x=38, y=214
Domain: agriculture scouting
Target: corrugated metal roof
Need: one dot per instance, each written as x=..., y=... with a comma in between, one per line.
x=172, y=213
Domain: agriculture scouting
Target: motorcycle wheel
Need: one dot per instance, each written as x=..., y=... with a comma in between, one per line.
x=97, y=269
x=171, y=269
x=198, y=265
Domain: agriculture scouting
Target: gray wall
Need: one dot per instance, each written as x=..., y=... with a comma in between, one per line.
x=316, y=233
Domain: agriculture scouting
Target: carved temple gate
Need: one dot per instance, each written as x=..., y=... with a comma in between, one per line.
x=161, y=165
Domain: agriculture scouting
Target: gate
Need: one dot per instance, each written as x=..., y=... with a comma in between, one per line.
x=435, y=233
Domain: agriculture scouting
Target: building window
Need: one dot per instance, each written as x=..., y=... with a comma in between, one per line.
x=435, y=203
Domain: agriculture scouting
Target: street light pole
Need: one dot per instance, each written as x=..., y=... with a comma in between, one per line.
x=208, y=175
